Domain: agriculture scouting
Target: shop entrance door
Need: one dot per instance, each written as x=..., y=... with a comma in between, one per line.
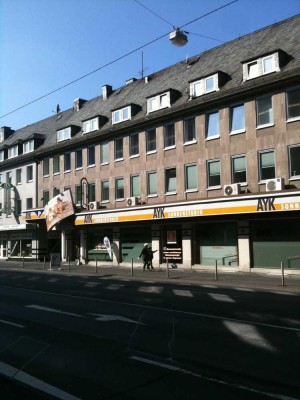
x=3, y=248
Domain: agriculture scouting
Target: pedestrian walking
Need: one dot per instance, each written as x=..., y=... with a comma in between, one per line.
x=151, y=252
x=145, y=255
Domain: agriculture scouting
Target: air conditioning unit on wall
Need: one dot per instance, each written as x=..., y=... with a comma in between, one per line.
x=233, y=189
x=93, y=205
x=132, y=201
x=274, y=184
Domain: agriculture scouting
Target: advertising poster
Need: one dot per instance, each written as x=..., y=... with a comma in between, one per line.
x=58, y=208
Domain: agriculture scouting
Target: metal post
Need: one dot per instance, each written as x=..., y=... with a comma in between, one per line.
x=96, y=265
x=23, y=261
x=216, y=271
x=69, y=267
x=168, y=268
x=44, y=266
x=282, y=273
x=132, y=267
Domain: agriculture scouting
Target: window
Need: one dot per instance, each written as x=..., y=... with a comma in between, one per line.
x=189, y=131
x=28, y=146
x=90, y=125
x=158, y=102
x=91, y=156
x=261, y=66
x=134, y=145
x=191, y=183
x=104, y=153
x=119, y=189
x=46, y=197
x=1, y=155
x=204, y=85
x=135, y=185
x=29, y=173
x=67, y=162
x=294, y=161
x=170, y=181
x=121, y=115
x=56, y=192
x=293, y=104
x=213, y=125
x=266, y=165
x=213, y=173
x=152, y=183
x=78, y=194
x=238, y=167
x=91, y=192
x=56, y=166
x=18, y=206
x=119, y=149
x=78, y=159
x=64, y=134
x=29, y=203
x=13, y=152
x=169, y=135
x=18, y=176
x=264, y=112
x=0, y=178
x=9, y=177
x=151, y=140
x=237, y=119
x=46, y=169
x=105, y=190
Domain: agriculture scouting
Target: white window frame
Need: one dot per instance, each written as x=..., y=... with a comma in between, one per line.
x=150, y=183
x=199, y=87
x=208, y=162
x=241, y=130
x=215, y=135
x=185, y=130
x=1, y=155
x=28, y=146
x=271, y=123
x=64, y=134
x=251, y=73
x=288, y=118
x=123, y=114
x=260, y=153
x=158, y=102
x=90, y=125
x=167, y=170
x=193, y=189
x=234, y=172
x=13, y=151
x=104, y=153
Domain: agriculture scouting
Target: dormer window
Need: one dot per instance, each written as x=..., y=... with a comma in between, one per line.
x=64, y=134
x=261, y=66
x=90, y=125
x=13, y=151
x=204, y=85
x=158, y=102
x=123, y=114
x=28, y=146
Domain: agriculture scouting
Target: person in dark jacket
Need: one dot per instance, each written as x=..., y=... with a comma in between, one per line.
x=145, y=255
x=151, y=252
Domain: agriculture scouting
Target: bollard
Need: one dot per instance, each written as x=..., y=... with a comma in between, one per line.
x=96, y=270
x=282, y=273
x=69, y=267
x=168, y=268
x=132, y=267
x=23, y=261
x=216, y=271
x=44, y=266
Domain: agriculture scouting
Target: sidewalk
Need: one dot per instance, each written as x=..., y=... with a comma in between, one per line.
x=227, y=278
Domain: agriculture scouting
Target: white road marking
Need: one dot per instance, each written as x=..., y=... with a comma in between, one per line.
x=243, y=289
x=150, y=289
x=11, y=323
x=54, y=310
x=221, y=382
x=184, y=293
x=106, y=318
x=221, y=297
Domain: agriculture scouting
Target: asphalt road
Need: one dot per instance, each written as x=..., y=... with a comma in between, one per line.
x=98, y=337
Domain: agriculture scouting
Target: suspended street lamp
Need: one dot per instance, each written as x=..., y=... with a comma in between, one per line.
x=178, y=37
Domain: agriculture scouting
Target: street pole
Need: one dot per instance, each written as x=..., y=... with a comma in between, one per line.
x=216, y=271
x=282, y=273
x=132, y=267
x=167, y=268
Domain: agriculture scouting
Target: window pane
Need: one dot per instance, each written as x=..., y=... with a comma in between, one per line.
x=293, y=104
x=46, y=167
x=238, y=118
x=135, y=185
x=268, y=64
x=67, y=162
x=56, y=164
x=105, y=190
x=294, y=161
x=191, y=177
x=78, y=194
x=91, y=155
x=120, y=188
x=252, y=70
x=264, y=111
x=171, y=180
x=213, y=129
x=134, y=144
x=189, y=130
x=209, y=84
x=152, y=183
x=151, y=140
x=104, y=153
x=78, y=159
x=91, y=192
x=169, y=135
x=118, y=149
x=239, y=169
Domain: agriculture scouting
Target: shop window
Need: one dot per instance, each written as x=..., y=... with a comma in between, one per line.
x=266, y=165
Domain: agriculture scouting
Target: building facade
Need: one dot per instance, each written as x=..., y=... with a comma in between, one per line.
x=201, y=160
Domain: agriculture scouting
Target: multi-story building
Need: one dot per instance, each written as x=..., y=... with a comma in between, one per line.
x=201, y=160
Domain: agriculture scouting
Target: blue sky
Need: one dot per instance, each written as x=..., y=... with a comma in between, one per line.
x=46, y=44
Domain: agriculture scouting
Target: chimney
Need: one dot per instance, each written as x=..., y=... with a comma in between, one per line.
x=106, y=91
x=77, y=104
x=5, y=132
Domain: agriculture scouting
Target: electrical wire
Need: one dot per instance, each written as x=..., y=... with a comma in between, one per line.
x=112, y=62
